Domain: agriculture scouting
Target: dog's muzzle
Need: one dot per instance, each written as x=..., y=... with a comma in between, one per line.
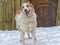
x=27, y=12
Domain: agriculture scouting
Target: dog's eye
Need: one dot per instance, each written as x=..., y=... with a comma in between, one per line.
x=27, y=6
x=23, y=7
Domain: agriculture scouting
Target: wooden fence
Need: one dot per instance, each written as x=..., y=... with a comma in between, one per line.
x=58, y=13
x=44, y=9
x=7, y=13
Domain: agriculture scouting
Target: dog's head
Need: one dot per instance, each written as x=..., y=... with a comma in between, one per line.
x=27, y=9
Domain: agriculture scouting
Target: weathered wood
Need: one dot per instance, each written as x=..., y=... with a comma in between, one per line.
x=58, y=13
x=7, y=13
x=46, y=12
x=45, y=9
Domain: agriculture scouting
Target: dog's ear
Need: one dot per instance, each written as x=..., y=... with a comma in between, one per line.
x=28, y=2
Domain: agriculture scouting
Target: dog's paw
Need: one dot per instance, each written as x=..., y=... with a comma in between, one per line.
x=36, y=43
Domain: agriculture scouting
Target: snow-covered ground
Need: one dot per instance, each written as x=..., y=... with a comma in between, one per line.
x=45, y=36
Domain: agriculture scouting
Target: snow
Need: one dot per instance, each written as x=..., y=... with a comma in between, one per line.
x=45, y=36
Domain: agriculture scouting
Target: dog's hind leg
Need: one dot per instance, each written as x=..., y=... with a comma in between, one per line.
x=34, y=38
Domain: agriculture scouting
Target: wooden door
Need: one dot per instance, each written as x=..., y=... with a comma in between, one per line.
x=46, y=12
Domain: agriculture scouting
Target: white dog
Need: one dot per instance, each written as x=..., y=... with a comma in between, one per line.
x=26, y=21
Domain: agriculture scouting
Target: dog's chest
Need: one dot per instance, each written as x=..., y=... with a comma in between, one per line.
x=27, y=24
x=28, y=20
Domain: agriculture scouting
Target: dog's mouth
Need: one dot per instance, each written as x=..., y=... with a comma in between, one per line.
x=27, y=12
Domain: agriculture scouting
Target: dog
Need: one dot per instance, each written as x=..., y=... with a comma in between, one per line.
x=26, y=21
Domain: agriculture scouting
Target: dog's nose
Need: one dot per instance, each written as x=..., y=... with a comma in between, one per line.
x=25, y=10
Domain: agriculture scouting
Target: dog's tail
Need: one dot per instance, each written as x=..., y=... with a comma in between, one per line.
x=18, y=12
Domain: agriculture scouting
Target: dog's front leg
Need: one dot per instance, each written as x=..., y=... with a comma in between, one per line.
x=34, y=38
x=22, y=38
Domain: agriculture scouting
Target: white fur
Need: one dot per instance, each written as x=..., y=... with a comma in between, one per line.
x=26, y=24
